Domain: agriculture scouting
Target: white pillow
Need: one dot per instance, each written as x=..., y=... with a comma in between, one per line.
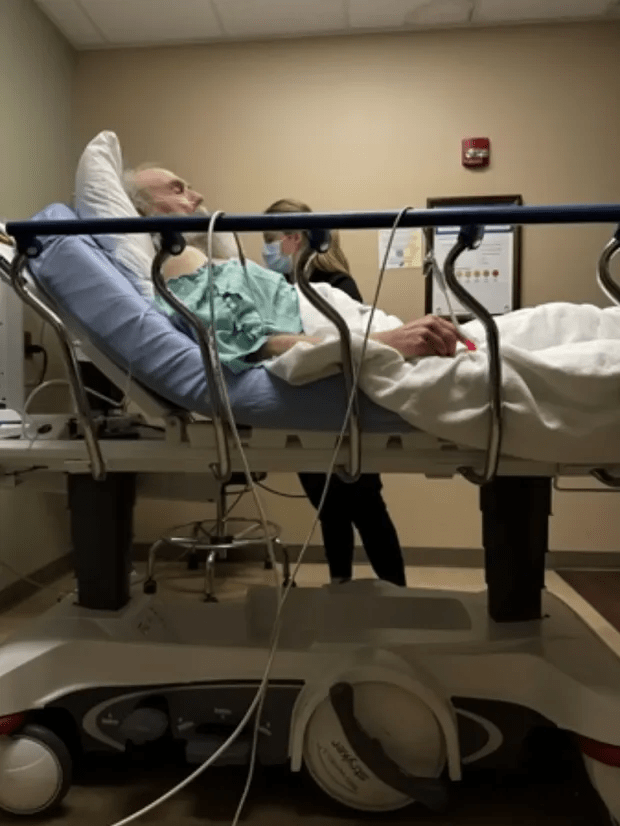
x=99, y=193
x=7, y=251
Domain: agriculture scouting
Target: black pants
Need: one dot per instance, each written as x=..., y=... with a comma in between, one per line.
x=361, y=505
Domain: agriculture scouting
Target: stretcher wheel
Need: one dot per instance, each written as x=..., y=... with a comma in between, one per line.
x=404, y=725
x=35, y=771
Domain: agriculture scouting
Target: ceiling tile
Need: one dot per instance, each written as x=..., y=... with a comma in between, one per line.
x=248, y=18
x=498, y=11
x=441, y=13
x=154, y=21
x=70, y=18
x=370, y=14
x=396, y=13
x=95, y=23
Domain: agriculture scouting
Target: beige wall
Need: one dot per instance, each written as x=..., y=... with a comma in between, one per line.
x=38, y=149
x=376, y=122
x=37, y=67
x=38, y=144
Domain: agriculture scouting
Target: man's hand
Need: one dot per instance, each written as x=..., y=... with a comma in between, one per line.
x=428, y=336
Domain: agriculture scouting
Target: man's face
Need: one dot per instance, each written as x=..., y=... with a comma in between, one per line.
x=168, y=194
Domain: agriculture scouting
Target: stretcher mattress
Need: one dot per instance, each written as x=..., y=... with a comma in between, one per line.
x=102, y=298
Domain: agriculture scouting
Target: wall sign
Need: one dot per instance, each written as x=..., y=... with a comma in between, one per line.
x=491, y=273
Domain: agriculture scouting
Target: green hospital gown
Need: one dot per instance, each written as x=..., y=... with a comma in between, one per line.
x=247, y=310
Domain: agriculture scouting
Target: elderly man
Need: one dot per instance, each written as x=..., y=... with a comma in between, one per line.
x=155, y=191
x=261, y=319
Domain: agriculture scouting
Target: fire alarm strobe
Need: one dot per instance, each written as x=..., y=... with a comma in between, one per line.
x=476, y=152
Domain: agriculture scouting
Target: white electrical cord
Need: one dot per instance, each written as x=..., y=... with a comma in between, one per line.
x=122, y=404
x=224, y=394
x=54, y=383
x=258, y=701
x=273, y=649
x=25, y=420
x=304, y=548
x=32, y=439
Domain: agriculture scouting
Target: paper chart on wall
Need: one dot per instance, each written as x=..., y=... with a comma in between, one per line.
x=487, y=273
x=406, y=249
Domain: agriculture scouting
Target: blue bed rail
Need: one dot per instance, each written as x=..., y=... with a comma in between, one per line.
x=450, y=216
x=470, y=220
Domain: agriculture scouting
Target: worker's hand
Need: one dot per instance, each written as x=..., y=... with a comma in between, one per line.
x=428, y=336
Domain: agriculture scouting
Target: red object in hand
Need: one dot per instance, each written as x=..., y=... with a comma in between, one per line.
x=476, y=152
x=470, y=345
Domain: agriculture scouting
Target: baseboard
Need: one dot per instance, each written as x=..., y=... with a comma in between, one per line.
x=584, y=560
x=21, y=590
x=419, y=557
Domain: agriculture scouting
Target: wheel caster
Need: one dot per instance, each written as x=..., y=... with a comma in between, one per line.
x=289, y=584
x=268, y=565
x=150, y=587
x=35, y=771
x=211, y=598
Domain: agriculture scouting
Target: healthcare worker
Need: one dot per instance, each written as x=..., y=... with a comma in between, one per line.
x=359, y=504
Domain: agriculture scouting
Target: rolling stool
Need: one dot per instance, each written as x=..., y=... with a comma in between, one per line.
x=210, y=538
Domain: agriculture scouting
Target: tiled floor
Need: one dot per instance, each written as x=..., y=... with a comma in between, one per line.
x=600, y=588
x=106, y=792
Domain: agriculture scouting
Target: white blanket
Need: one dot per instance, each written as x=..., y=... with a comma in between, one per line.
x=561, y=378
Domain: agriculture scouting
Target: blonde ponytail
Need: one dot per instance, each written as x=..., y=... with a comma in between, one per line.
x=334, y=260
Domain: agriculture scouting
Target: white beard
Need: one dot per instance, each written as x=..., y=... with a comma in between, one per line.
x=223, y=245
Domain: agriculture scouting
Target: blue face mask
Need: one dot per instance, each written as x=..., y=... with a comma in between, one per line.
x=274, y=260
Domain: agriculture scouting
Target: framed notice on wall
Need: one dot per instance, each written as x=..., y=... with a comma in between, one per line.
x=491, y=273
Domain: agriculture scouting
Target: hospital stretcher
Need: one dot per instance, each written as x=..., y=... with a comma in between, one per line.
x=384, y=694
